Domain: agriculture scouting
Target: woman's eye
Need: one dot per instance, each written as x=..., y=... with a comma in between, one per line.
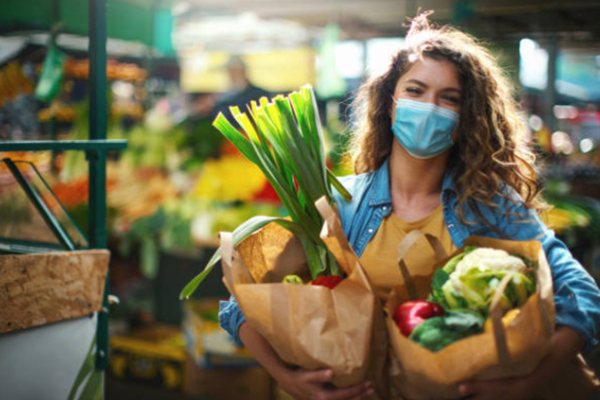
x=452, y=99
x=413, y=90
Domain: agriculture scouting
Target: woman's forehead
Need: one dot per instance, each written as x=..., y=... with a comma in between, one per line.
x=432, y=72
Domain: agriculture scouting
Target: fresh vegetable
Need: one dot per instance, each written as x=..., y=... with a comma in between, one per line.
x=284, y=139
x=506, y=320
x=327, y=281
x=438, y=332
x=293, y=279
x=470, y=279
x=410, y=314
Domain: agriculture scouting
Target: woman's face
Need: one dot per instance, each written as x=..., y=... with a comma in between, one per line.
x=430, y=81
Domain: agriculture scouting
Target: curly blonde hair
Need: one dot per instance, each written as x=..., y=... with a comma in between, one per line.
x=491, y=150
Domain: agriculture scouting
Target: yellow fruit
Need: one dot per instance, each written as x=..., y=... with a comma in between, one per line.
x=506, y=320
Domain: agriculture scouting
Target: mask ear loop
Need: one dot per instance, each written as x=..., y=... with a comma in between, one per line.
x=395, y=104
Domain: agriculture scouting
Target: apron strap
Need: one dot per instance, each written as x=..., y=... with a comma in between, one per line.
x=409, y=240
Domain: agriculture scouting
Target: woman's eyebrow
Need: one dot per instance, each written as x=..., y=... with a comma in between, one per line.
x=416, y=81
x=423, y=84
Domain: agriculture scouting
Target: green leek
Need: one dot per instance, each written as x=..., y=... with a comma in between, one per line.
x=284, y=138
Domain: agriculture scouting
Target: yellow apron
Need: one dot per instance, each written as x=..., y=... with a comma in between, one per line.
x=380, y=258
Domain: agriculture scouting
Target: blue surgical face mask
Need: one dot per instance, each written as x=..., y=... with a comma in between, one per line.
x=424, y=129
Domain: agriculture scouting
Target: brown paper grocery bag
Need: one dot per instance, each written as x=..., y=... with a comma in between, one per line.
x=273, y=253
x=311, y=326
x=334, y=237
x=511, y=351
x=506, y=352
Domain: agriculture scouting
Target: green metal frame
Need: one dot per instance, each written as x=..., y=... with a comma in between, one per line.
x=25, y=246
x=64, y=145
x=96, y=149
x=97, y=160
x=21, y=246
x=39, y=204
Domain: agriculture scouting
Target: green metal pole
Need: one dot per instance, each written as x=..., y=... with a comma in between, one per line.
x=97, y=159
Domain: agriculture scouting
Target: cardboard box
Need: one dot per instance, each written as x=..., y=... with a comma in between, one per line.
x=154, y=355
x=228, y=383
x=216, y=367
x=207, y=343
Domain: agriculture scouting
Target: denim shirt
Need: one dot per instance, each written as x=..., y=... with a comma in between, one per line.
x=576, y=295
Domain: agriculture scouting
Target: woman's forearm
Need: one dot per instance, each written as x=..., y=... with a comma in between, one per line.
x=566, y=344
x=262, y=351
x=300, y=384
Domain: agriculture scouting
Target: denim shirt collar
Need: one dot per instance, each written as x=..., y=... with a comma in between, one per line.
x=380, y=194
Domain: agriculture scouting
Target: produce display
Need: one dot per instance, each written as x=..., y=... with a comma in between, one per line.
x=80, y=69
x=18, y=107
x=561, y=219
x=13, y=83
x=462, y=293
x=229, y=178
x=571, y=211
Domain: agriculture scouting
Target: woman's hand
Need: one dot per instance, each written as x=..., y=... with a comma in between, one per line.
x=300, y=384
x=311, y=385
x=566, y=343
x=506, y=389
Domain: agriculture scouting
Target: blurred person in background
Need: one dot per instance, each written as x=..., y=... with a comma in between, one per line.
x=241, y=91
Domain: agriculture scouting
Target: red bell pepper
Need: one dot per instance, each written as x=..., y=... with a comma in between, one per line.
x=328, y=281
x=410, y=314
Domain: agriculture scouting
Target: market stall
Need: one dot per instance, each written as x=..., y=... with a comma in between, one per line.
x=65, y=303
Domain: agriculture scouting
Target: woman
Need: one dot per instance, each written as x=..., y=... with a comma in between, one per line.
x=441, y=149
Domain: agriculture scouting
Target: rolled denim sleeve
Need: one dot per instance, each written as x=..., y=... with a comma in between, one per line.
x=576, y=295
x=230, y=318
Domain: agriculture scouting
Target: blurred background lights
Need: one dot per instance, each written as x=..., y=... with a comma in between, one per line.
x=379, y=54
x=533, y=69
x=350, y=57
x=535, y=122
x=565, y=112
x=561, y=142
x=586, y=145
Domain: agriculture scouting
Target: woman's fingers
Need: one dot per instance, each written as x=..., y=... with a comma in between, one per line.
x=356, y=392
x=311, y=385
x=470, y=388
x=474, y=390
x=319, y=376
